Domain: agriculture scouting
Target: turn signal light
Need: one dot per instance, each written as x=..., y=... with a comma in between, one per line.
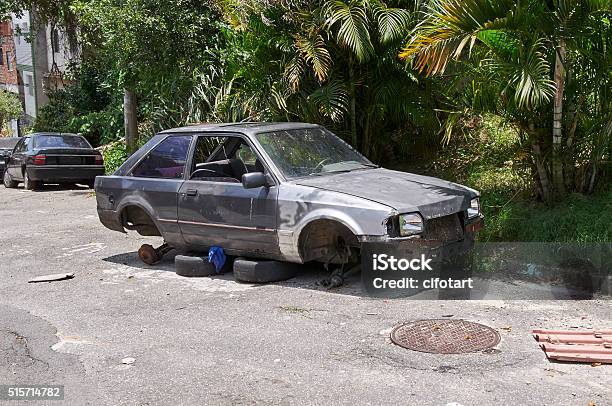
x=40, y=159
x=99, y=160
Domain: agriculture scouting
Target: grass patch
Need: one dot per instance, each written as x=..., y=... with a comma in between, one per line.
x=579, y=218
x=494, y=160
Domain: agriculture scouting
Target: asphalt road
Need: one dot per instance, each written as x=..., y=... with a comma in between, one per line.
x=214, y=341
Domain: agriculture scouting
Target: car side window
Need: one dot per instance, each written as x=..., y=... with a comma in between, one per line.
x=19, y=145
x=223, y=159
x=246, y=154
x=166, y=160
x=22, y=145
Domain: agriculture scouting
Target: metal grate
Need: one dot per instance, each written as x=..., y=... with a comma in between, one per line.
x=445, y=336
x=444, y=229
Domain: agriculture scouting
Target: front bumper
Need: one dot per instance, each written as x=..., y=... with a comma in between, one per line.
x=413, y=246
x=60, y=173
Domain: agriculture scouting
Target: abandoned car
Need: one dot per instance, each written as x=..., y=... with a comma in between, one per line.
x=290, y=192
x=41, y=158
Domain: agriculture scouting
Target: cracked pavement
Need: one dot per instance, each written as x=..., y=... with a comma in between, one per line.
x=214, y=341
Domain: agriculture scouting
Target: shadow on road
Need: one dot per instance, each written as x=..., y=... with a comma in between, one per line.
x=311, y=276
x=62, y=187
x=131, y=259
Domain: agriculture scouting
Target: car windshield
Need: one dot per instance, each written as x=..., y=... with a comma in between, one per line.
x=60, y=141
x=310, y=152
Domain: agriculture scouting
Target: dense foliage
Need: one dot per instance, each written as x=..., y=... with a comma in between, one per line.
x=542, y=65
x=409, y=83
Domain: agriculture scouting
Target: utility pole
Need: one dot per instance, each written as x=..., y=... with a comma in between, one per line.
x=129, y=120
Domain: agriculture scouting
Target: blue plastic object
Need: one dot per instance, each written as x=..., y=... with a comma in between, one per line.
x=217, y=257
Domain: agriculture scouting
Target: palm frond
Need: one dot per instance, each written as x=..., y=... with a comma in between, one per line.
x=331, y=100
x=351, y=21
x=392, y=22
x=450, y=25
x=528, y=74
x=314, y=53
x=294, y=71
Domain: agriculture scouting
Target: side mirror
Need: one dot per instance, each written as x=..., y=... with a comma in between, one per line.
x=254, y=180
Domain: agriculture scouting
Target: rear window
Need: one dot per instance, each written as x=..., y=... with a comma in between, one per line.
x=60, y=141
x=166, y=160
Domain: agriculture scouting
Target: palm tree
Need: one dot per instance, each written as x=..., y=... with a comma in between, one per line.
x=351, y=29
x=519, y=50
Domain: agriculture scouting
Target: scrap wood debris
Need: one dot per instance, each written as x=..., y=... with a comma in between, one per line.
x=52, y=278
x=591, y=346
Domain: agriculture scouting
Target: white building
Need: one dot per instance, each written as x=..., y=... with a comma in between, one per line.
x=42, y=57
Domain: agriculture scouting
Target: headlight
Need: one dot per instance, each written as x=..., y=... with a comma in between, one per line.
x=410, y=224
x=474, y=209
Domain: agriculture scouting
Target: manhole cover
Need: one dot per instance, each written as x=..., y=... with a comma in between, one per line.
x=445, y=336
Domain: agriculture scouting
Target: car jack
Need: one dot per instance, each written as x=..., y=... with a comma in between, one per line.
x=150, y=255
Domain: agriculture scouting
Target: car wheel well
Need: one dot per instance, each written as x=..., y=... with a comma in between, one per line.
x=328, y=241
x=136, y=218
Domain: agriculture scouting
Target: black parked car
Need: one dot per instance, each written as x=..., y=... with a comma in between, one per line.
x=52, y=158
x=6, y=149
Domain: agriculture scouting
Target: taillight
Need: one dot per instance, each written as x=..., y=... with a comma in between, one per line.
x=99, y=160
x=40, y=159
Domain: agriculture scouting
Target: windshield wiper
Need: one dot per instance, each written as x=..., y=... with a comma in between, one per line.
x=362, y=166
x=326, y=172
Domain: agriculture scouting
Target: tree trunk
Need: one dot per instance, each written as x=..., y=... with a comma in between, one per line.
x=129, y=120
x=353, y=103
x=547, y=195
x=557, y=162
x=545, y=186
x=365, y=141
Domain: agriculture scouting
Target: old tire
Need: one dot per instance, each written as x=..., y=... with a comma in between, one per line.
x=190, y=267
x=9, y=183
x=260, y=271
x=28, y=183
x=196, y=266
x=148, y=254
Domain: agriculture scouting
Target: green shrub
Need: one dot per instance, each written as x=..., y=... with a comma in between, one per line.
x=115, y=154
x=10, y=107
x=84, y=106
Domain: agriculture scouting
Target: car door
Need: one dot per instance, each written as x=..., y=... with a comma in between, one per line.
x=18, y=158
x=216, y=210
x=154, y=183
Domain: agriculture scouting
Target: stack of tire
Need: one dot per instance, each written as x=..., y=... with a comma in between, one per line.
x=245, y=270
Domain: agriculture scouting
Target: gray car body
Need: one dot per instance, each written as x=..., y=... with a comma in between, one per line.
x=268, y=221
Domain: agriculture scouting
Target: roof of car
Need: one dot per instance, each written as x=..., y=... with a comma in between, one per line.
x=8, y=142
x=51, y=134
x=244, y=127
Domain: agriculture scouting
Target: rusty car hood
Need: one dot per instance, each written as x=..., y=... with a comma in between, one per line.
x=402, y=191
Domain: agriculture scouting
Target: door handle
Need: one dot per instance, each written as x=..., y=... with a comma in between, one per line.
x=191, y=192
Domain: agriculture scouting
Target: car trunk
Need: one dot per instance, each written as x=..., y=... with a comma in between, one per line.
x=69, y=156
